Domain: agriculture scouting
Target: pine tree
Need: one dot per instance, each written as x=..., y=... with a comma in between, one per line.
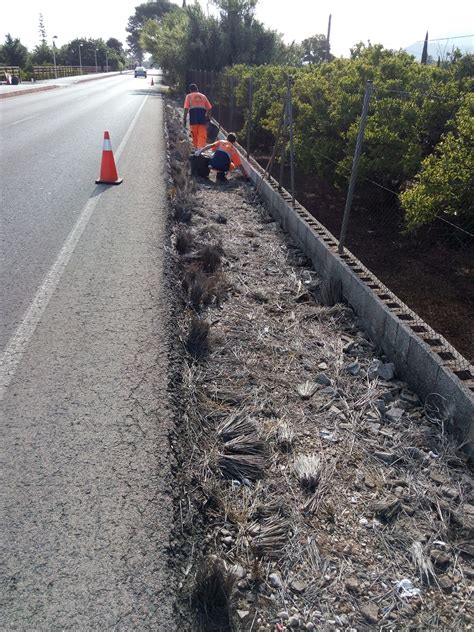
x=424, y=54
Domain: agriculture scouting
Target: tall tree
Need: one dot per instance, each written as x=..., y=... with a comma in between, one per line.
x=42, y=31
x=315, y=49
x=13, y=52
x=424, y=54
x=154, y=10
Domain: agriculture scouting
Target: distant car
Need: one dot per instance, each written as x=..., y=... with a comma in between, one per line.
x=140, y=72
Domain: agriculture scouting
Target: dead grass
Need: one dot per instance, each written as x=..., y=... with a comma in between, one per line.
x=312, y=479
x=197, y=343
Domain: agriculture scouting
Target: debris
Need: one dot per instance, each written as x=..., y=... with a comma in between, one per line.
x=306, y=389
x=405, y=589
x=308, y=470
x=328, y=436
x=243, y=614
x=352, y=584
x=445, y=583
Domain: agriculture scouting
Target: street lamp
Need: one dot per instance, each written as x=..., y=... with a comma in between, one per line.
x=54, y=57
x=80, y=59
x=95, y=55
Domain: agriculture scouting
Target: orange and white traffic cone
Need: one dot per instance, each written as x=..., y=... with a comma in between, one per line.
x=108, y=170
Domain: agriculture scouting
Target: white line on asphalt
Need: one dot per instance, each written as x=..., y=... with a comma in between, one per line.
x=18, y=343
x=28, y=118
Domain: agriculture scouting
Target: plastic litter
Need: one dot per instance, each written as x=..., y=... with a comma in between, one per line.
x=406, y=589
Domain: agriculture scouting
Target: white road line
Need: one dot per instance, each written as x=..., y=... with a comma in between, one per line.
x=28, y=118
x=18, y=343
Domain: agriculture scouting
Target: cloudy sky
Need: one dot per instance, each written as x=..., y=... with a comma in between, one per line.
x=394, y=24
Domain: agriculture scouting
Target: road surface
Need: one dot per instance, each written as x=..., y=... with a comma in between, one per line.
x=86, y=502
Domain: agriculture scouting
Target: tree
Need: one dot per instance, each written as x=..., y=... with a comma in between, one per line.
x=13, y=52
x=424, y=54
x=154, y=10
x=166, y=41
x=315, y=49
x=446, y=179
x=42, y=54
x=114, y=43
x=42, y=31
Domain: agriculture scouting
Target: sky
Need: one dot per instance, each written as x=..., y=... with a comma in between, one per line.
x=395, y=24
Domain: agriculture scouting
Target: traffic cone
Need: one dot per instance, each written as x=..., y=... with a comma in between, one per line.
x=152, y=82
x=108, y=170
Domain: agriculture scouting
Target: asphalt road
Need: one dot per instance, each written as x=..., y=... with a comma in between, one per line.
x=86, y=504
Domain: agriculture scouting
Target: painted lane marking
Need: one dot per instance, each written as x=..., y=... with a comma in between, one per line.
x=18, y=343
x=28, y=118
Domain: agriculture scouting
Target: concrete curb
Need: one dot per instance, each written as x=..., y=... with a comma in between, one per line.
x=423, y=358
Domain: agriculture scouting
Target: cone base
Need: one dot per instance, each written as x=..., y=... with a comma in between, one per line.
x=118, y=181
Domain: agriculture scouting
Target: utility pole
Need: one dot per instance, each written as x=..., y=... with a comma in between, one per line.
x=106, y=60
x=328, y=38
x=95, y=55
x=80, y=58
x=355, y=165
x=54, y=57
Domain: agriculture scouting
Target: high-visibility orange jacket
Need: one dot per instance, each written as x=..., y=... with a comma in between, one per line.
x=224, y=154
x=198, y=105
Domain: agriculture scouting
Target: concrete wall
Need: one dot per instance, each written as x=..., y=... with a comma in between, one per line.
x=427, y=362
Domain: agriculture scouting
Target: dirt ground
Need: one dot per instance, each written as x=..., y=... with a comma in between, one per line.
x=316, y=492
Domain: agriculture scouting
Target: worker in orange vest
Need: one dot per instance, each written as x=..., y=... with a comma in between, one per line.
x=199, y=108
x=225, y=158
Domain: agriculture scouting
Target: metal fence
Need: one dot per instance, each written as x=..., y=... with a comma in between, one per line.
x=448, y=242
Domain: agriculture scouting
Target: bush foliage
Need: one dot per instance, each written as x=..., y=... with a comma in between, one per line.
x=419, y=134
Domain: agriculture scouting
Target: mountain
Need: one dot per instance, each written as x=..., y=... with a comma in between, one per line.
x=441, y=48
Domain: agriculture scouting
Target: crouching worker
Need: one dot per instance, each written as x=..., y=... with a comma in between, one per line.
x=225, y=158
x=199, y=109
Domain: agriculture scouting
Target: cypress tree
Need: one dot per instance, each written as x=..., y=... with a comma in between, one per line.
x=424, y=54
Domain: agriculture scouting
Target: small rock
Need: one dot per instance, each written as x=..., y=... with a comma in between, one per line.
x=394, y=414
x=441, y=559
x=438, y=477
x=370, y=612
x=274, y=580
x=352, y=584
x=310, y=626
x=283, y=615
x=228, y=540
x=409, y=399
x=386, y=457
x=445, y=583
x=353, y=368
x=294, y=622
x=238, y=571
x=323, y=379
x=243, y=614
x=297, y=586
x=386, y=371
x=322, y=366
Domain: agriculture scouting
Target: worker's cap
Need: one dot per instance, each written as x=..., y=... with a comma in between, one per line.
x=193, y=87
